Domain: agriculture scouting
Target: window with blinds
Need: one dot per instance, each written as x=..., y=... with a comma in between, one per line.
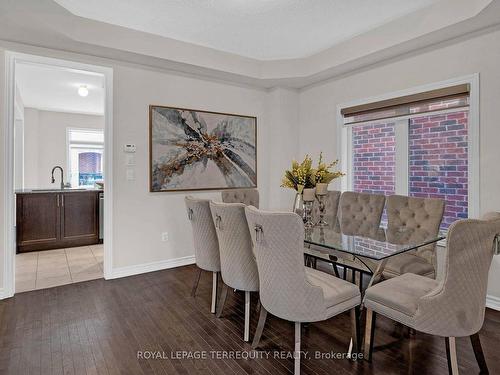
x=417, y=145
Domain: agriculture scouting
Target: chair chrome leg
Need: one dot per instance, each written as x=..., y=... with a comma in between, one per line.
x=222, y=300
x=335, y=270
x=369, y=334
x=246, y=334
x=196, y=282
x=451, y=355
x=296, y=354
x=478, y=352
x=260, y=326
x=214, y=292
x=354, y=342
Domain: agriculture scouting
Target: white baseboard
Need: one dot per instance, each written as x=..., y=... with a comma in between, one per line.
x=151, y=267
x=493, y=302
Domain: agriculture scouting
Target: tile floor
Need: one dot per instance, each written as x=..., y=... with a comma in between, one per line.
x=49, y=268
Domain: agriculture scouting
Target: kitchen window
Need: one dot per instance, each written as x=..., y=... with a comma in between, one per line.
x=85, y=156
x=417, y=145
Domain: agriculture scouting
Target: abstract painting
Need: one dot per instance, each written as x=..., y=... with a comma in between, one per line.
x=200, y=150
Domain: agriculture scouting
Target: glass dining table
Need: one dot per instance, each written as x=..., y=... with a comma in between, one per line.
x=366, y=253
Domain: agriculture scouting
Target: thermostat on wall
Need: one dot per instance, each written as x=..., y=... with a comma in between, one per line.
x=129, y=148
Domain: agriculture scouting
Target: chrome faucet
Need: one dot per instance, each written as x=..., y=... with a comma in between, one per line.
x=62, y=176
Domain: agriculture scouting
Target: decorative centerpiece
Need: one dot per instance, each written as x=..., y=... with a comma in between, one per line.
x=310, y=183
x=323, y=175
x=300, y=178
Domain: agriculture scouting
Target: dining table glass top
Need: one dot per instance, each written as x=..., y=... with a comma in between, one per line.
x=378, y=245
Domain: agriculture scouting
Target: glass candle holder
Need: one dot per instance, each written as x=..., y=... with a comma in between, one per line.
x=307, y=214
x=321, y=192
x=322, y=223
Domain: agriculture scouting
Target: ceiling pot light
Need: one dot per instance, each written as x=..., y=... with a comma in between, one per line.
x=83, y=91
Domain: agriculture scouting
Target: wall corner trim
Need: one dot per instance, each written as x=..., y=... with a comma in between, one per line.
x=493, y=302
x=151, y=267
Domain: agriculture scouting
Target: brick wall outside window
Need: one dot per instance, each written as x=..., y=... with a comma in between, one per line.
x=374, y=158
x=89, y=162
x=89, y=168
x=438, y=162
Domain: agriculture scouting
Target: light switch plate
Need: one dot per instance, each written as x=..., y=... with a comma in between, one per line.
x=130, y=174
x=130, y=159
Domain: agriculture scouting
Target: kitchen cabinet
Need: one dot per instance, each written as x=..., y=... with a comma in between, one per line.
x=51, y=220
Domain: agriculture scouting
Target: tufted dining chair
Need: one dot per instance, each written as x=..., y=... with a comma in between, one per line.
x=452, y=306
x=206, y=245
x=289, y=290
x=412, y=219
x=360, y=213
x=249, y=197
x=238, y=265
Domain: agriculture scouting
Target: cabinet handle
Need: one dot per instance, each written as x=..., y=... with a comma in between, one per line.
x=57, y=200
x=62, y=200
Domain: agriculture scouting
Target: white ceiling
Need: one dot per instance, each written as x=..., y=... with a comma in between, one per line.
x=260, y=29
x=56, y=89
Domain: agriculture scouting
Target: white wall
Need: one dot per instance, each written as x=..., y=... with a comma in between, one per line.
x=478, y=55
x=31, y=145
x=18, y=140
x=283, y=112
x=141, y=216
x=45, y=143
x=2, y=169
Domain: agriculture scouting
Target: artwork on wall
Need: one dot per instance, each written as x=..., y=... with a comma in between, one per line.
x=200, y=150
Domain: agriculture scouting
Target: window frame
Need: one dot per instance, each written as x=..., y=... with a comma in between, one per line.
x=83, y=145
x=344, y=140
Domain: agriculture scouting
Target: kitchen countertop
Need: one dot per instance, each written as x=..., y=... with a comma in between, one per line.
x=50, y=190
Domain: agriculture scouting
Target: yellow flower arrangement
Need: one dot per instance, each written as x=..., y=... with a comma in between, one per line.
x=302, y=176
x=323, y=173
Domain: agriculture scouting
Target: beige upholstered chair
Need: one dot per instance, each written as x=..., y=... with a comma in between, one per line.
x=206, y=246
x=360, y=213
x=249, y=197
x=413, y=219
x=289, y=290
x=451, y=307
x=238, y=266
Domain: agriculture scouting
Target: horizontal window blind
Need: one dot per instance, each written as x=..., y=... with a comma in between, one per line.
x=86, y=136
x=453, y=97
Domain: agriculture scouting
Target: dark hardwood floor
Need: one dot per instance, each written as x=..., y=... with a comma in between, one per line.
x=98, y=327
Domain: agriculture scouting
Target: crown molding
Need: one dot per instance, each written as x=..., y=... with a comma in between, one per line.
x=46, y=24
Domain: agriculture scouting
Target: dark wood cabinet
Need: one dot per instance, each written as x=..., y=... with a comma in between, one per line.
x=56, y=220
x=85, y=223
